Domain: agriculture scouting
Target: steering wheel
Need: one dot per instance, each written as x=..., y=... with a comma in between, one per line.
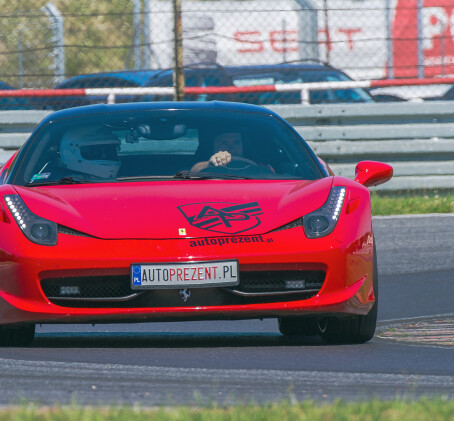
x=239, y=163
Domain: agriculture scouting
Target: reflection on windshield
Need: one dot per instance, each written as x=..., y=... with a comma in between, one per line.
x=165, y=145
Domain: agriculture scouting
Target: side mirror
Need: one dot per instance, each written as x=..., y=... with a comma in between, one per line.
x=373, y=173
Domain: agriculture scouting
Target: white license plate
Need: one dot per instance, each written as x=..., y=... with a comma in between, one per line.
x=184, y=275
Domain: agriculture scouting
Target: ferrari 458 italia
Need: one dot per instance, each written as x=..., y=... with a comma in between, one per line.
x=183, y=211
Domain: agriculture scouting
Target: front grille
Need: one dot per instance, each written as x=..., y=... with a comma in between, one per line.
x=284, y=281
x=88, y=287
x=115, y=291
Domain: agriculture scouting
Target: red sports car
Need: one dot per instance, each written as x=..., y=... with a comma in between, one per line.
x=183, y=211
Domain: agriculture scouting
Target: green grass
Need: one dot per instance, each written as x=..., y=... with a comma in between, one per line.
x=403, y=203
x=435, y=409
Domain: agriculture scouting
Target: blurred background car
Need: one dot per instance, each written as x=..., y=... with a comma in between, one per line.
x=215, y=75
x=295, y=73
x=14, y=103
x=122, y=79
x=266, y=75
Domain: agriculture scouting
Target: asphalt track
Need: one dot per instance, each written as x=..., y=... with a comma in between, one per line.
x=411, y=355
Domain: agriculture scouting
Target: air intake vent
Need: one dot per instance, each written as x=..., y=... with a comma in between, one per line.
x=69, y=231
x=87, y=287
x=280, y=282
x=296, y=223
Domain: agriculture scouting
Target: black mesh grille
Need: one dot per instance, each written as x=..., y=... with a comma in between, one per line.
x=281, y=281
x=87, y=287
x=115, y=291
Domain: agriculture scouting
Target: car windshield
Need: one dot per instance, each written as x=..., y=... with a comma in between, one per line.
x=163, y=145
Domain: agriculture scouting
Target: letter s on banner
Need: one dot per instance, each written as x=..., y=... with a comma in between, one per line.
x=252, y=38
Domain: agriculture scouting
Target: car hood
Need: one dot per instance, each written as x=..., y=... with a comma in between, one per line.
x=177, y=209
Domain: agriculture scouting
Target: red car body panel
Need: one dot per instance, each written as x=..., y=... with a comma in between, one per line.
x=150, y=209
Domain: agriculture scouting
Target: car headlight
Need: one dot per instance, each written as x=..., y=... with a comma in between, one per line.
x=36, y=229
x=323, y=221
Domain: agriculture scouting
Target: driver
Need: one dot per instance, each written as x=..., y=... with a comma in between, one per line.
x=91, y=151
x=225, y=145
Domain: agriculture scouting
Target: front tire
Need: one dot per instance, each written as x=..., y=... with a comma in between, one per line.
x=17, y=335
x=354, y=329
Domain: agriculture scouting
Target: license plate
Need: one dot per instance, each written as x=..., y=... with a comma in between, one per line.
x=184, y=275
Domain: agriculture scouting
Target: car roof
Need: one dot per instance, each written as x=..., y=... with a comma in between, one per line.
x=255, y=68
x=188, y=71
x=310, y=68
x=232, y=71
x=158, y=105
x=145, y=77
x=137, y=77
x=280, y=66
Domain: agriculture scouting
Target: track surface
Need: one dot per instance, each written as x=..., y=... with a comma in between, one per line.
x=225, y=362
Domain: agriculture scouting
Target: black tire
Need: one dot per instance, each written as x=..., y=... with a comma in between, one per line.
x=298, y=326
x=354, y=329
x=17, y=335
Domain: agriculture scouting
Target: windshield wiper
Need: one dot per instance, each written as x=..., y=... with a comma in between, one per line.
x=145, y=177
x=194, y=175
x=62, y=181
x=183, y=175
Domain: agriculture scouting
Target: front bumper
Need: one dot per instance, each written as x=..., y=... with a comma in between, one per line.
x=347, y=288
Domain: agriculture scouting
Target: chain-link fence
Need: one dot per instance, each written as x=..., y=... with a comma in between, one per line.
x=225, y=43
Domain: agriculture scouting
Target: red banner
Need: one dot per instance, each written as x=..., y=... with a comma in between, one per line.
x=437, y=30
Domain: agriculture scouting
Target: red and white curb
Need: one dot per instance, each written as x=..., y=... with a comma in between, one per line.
x=436, y=331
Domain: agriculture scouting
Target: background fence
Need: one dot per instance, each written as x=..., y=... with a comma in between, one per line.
x=43, y=43
x=416, y=140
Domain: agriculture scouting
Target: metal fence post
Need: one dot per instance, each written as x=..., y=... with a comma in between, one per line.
x=20, y=59
x=178, y=70
x=146, y=34
x=136, y=24
x=390, y=45
x=308, y=30
x=57, y=20
x=420, y=40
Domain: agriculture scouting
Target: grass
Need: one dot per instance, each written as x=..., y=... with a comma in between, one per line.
x=433, y=409
x=419, y=202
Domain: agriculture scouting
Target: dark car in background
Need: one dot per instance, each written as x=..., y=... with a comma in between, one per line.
x=121, y=79
x=270, y=74
x=216, y=75
x=296, y=73
x=200, y=76
x=14, y=103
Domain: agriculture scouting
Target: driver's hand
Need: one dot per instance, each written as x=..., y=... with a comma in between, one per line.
x=221, y=158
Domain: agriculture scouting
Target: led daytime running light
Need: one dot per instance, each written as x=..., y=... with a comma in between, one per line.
x=335, y=202
x=35, y=228
x=323, y=221
x=19, y=211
